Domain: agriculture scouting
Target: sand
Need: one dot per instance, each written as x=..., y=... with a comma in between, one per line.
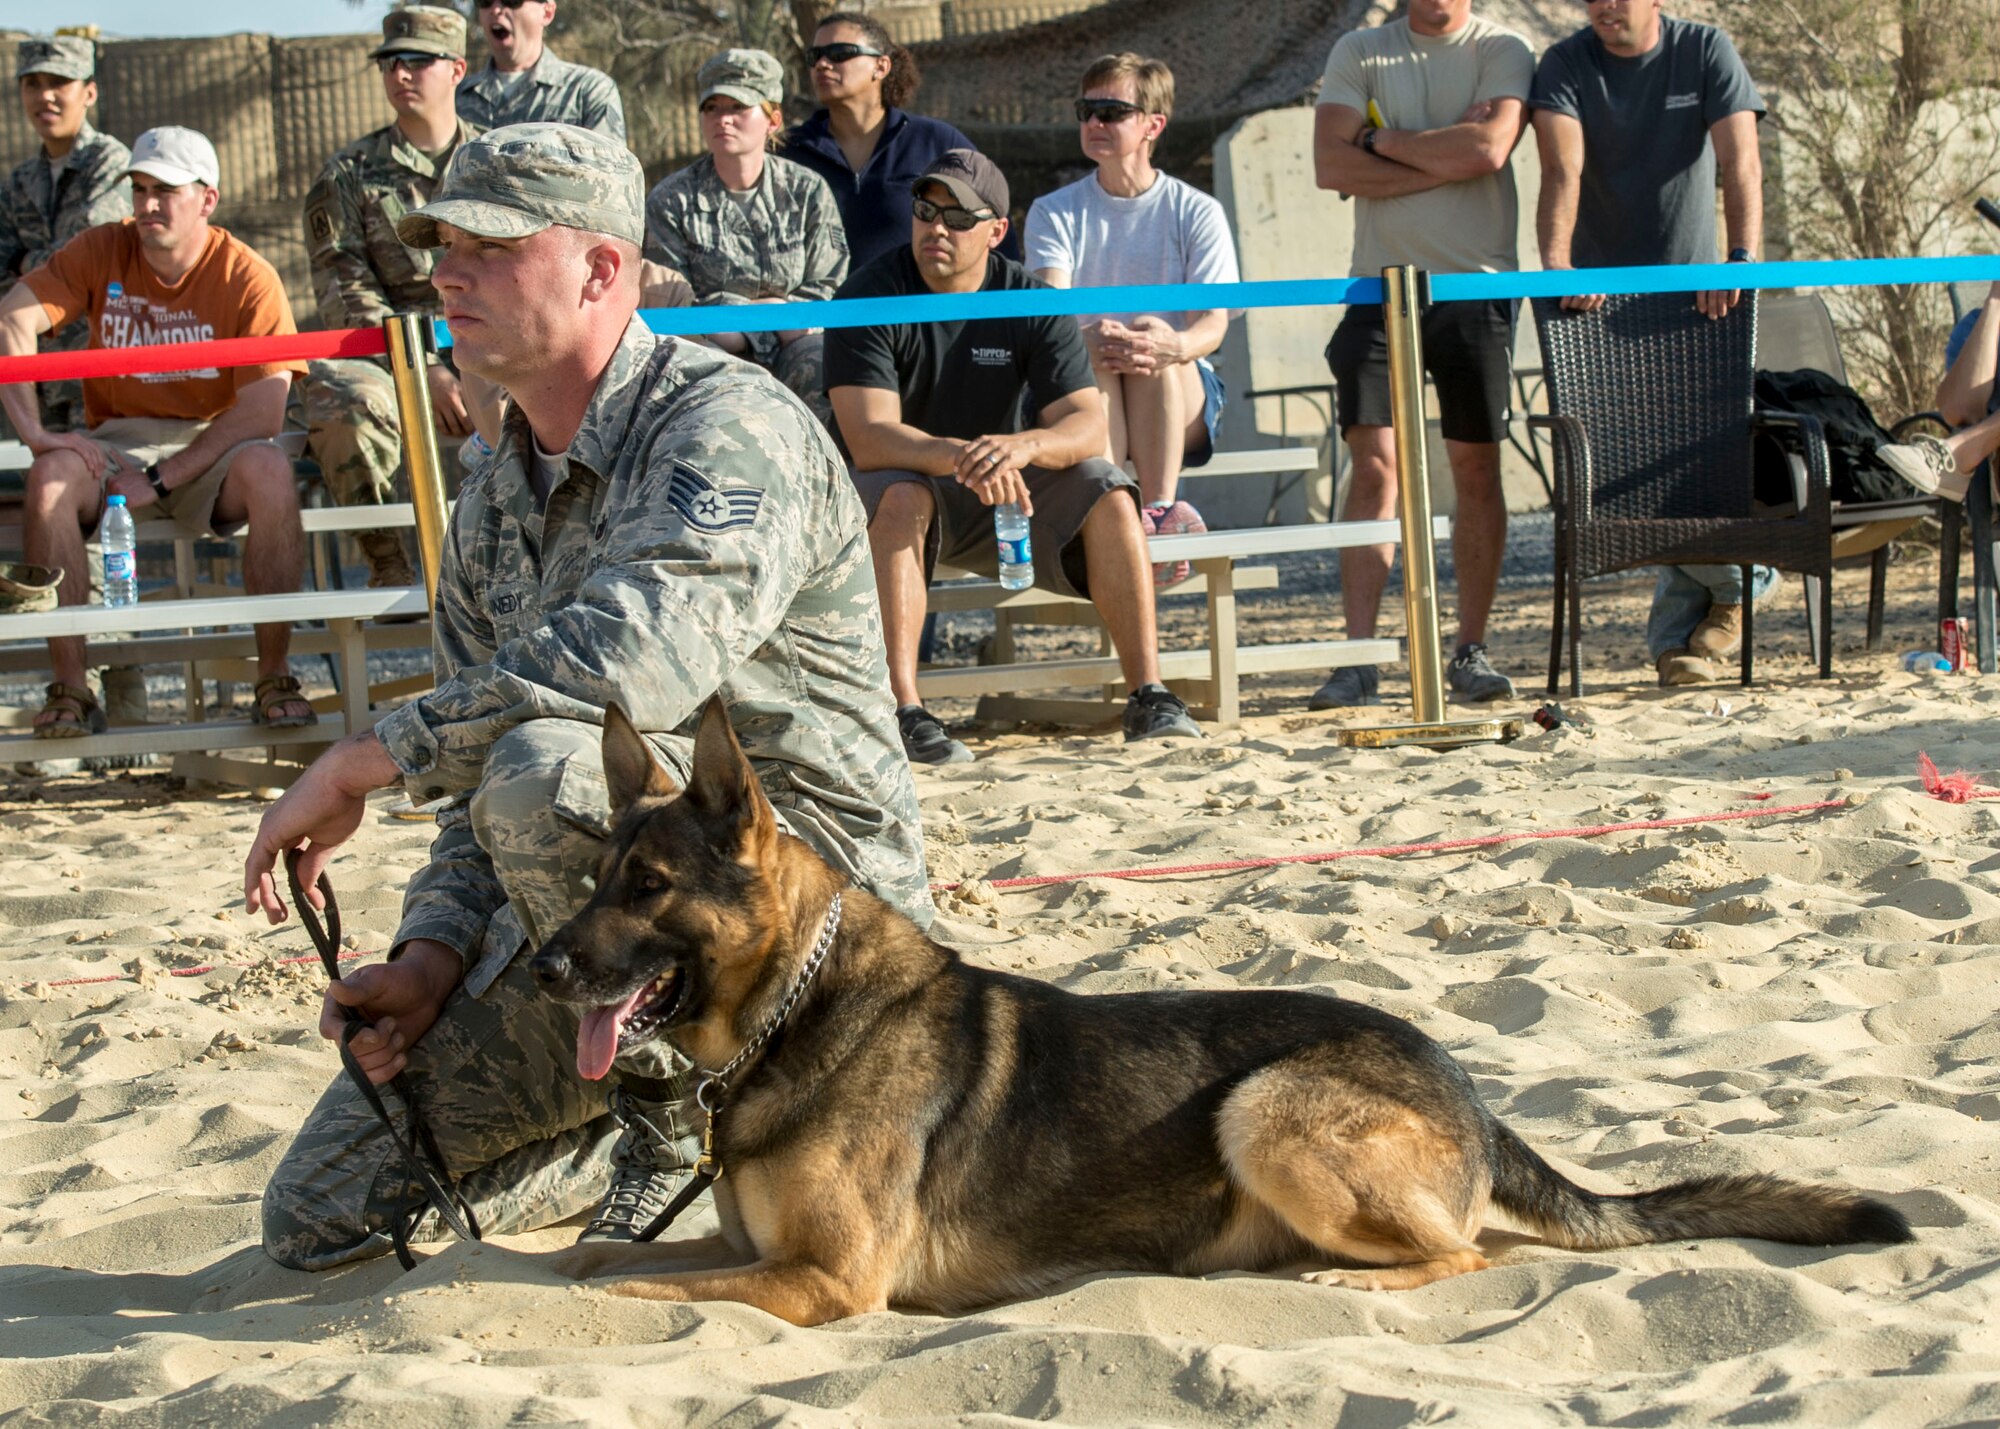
x=1810, y=994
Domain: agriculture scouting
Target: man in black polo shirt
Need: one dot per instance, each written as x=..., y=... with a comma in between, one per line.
x=930, y=415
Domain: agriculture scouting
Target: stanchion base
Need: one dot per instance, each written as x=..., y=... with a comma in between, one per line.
x=1450, y=735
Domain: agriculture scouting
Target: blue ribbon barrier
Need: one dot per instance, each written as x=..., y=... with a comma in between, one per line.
x=1306, y=293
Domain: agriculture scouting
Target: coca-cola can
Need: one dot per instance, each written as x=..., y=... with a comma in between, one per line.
x=1954, y=641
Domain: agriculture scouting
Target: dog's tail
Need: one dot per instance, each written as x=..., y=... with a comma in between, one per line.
x=1767, y=1207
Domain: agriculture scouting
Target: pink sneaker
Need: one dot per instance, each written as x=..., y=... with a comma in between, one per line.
x=1174, y=518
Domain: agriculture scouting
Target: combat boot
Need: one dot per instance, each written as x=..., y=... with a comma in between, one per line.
x=387, y=563
x=653, y=1159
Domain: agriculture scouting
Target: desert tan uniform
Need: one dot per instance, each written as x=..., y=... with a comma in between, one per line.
x=362, y=273
x=701, y=536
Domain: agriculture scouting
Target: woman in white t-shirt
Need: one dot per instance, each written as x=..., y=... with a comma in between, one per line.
x=1129, y=223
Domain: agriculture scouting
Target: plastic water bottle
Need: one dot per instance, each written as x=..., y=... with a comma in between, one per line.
x=1925, y=662
x=1017, y=562
x=121, y=571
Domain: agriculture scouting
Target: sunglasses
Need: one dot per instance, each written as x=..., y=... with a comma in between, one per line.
x=1105, y=111
x=840, y=54
x=409, y=64
x=958, y=220
x=501, y=4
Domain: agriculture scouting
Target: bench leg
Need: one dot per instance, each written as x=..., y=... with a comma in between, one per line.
x=1878, y=594
x=1221, y=573
x=353, y=674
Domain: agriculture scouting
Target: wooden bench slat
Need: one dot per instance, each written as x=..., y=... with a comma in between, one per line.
x=370, y=604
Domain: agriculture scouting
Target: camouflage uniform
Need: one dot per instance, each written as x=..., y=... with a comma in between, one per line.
x=554, y=91
x=40, y=211
x=362, y=273
x=786, y=242
x=704, y=537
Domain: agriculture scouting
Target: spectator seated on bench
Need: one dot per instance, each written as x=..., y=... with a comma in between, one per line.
x=198, y=445
x=1128, y=223
x=929, y=415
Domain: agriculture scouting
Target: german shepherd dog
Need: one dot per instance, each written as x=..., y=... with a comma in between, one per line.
x=926, y=1133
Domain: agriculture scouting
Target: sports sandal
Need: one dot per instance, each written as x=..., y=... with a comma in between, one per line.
x=272, y=694
x=77, y=714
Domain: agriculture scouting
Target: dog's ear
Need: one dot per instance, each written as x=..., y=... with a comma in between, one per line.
x=630, y=770
x=723, y=785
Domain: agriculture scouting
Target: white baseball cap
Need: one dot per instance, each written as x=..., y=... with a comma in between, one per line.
x=174, y=155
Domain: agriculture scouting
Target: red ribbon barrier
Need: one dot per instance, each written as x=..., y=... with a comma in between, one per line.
x=193, y=356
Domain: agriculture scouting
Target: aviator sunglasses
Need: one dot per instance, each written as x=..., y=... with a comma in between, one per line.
x=501, y=4
x=839, y=54
x=958, y=220
x=1106, y=111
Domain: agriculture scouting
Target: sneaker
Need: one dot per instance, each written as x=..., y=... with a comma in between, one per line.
x=648, y=1169
x=1473, y=678
x=925, y=740
x=1927, y=464
x=1679, y=667
x=1348, y=687
x=1171, y=518
x=1156, y=712
x=1720, y=634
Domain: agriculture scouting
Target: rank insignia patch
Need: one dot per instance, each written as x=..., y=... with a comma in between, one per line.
x=707, y=507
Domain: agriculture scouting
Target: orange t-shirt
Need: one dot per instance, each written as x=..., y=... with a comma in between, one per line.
x=230, y=292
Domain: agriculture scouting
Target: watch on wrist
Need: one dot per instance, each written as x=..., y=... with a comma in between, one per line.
x=1742, y=255
x=153, y=480
x=1368, y=139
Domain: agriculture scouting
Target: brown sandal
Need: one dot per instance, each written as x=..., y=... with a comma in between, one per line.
x=272, y=693
x=85, y=715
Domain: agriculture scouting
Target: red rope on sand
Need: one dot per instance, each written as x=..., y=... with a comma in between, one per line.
x=1957, y=787
x=1399, y=850
x=193, y=356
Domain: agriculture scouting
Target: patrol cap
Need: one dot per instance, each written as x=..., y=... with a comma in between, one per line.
x=974, y=180
x=422, y=30
x=65, y=56
x=24, y=587
x=746, y=76
x=518, y=180
x=174, y=155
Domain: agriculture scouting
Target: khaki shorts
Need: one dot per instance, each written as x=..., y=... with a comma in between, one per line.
x=134, y=443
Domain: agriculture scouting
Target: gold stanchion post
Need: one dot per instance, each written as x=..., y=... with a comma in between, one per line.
x=1406, y=293
x=407, y=362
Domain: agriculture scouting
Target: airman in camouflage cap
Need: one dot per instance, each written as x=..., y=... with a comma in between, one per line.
x=65, y=56
x=746, y=76
x=517, y=181
x=422, y=30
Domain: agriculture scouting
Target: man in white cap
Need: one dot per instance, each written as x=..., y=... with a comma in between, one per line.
x=198, y=444
x=75, y=181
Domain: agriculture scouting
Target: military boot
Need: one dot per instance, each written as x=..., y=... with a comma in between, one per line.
x=387, y=563
x=651, y=1162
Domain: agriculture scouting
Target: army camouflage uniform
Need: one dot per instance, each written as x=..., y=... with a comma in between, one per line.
x=362, y=274
x=703, y=537
x=553, y=91
x=40, y=212
x=786, y=242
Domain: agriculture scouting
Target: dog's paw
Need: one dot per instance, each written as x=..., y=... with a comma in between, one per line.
x=589, y=1260
x=1348, y=1279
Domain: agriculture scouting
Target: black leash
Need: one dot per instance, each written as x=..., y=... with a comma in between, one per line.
x=425, y=1163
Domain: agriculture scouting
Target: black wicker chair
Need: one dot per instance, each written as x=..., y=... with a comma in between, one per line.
x=1652, y=423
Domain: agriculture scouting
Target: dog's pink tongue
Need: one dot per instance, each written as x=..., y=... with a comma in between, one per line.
x=597, y=1040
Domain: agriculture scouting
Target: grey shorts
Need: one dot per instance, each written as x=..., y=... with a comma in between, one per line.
x=961, y=532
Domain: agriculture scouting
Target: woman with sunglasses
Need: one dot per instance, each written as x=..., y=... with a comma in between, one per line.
x=745, y=226
x=860, y=140
x=1128, y=223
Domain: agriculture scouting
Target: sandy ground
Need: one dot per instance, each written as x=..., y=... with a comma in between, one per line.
x=1813, y=995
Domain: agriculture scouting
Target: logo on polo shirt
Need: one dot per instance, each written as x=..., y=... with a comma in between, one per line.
x=992, y=357
x=1683, y=101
